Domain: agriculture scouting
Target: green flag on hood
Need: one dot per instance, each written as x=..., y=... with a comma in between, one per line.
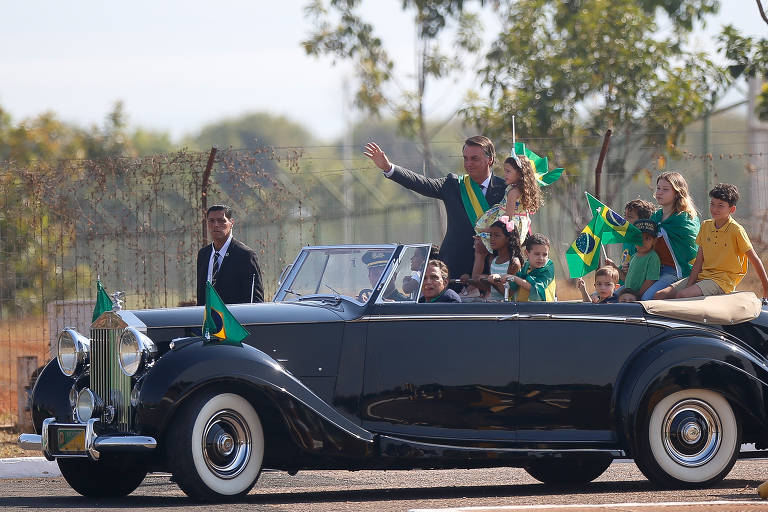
x=103, y=302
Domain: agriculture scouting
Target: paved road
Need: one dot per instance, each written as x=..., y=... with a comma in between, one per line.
x=386, y=491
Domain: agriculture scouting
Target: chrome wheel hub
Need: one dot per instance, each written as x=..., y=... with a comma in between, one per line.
x=691, y=433
x=226, y=444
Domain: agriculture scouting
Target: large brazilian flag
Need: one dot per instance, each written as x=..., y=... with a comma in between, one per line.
x=219, y=326
x=613, y=228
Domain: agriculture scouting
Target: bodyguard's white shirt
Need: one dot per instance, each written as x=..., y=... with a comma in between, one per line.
x=222, y=252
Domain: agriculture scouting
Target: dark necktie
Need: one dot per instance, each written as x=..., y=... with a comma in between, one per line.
x=215, y=266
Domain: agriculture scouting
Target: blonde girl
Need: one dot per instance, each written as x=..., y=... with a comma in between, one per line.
x=678, y=223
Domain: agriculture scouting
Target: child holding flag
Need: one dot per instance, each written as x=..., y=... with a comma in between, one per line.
x=678, y=224
x=634, y=210
x=536, y=280
x=606, y=283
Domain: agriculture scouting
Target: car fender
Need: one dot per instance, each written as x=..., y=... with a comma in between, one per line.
x=50, y=396
x=669, y=363
x=192, y=365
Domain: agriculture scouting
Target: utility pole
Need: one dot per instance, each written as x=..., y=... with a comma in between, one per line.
x=706, y=151
x=758, y=165
x=346, y=154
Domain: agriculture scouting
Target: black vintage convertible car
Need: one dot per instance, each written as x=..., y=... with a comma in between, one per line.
x=345, y=370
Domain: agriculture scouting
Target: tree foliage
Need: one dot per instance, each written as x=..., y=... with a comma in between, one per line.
x=36, y=155
x=251, y=131
x=747, y=57
x=569, y=69
x=341, y=32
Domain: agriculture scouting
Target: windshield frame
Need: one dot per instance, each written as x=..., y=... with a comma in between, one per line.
x=285, y=294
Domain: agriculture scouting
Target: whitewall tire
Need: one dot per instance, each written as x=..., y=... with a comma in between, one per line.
x=692, y=437
x=218, y=447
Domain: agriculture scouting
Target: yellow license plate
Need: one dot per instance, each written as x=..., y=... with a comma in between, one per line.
x=70, y=440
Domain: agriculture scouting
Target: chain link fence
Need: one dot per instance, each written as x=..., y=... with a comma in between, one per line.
x=138, y=223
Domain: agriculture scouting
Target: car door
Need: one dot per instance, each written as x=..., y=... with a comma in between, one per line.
x=441, y=371
x=571, y=355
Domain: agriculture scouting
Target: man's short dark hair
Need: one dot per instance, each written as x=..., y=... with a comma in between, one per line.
x=644, y=209
x=220, y=207
x=484, y=143
x=725, y=192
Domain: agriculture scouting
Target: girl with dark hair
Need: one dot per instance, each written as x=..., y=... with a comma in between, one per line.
x=490, y=273
x=521, y=198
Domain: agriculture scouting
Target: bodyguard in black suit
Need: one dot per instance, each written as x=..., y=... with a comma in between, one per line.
x=457, y=249
x=230, y=265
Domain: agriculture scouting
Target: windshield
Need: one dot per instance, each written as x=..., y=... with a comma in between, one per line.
x=351, y=272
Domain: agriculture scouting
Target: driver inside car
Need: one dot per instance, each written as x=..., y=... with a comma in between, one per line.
x=376, y=261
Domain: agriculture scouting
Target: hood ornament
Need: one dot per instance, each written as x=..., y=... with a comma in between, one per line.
x=117, y=301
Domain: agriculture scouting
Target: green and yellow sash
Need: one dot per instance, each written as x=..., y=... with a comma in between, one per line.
x=473, y=198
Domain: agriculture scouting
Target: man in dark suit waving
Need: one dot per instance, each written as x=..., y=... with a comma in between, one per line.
x=465, y=197
x=230, y=265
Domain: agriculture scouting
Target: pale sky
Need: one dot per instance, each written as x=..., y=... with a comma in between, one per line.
x=180, y=64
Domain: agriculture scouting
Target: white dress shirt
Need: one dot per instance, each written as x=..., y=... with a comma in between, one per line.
x=222, y=252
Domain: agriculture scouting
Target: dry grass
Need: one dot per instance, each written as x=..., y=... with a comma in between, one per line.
x=10, y=448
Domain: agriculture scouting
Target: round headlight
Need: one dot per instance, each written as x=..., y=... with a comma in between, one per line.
x=72, y=351
x=134, y=351
x=86, y=405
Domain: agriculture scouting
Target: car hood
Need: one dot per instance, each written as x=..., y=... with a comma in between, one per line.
x=247, y=314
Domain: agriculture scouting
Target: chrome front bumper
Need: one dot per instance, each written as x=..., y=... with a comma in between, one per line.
x=94, y=444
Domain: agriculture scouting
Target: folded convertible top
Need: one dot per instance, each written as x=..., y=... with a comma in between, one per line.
x=732, y=308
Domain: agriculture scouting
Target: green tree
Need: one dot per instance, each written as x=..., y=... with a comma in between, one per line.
x=341, y=32
x=747, y=57
x=251, y=131
x=571, y=69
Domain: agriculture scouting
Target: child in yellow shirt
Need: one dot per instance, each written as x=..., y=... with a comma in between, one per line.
x=724, y=249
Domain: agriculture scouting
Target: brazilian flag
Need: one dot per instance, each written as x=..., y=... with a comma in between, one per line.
x=219, y=326
x=103, y=302
x=583, y=255
x=612, y=227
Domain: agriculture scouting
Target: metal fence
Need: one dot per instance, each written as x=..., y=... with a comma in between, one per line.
x=138, y=223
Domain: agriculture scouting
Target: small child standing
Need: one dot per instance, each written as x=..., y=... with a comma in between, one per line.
x=724, y=248
x=645, y=265
x=536, y=280
x=634, y=210
x=606, y=283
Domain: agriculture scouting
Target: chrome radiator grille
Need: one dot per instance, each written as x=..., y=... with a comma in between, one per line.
x=108, y=382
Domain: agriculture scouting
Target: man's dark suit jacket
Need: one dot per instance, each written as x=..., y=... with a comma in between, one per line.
x=457, y=249
x=233, y=281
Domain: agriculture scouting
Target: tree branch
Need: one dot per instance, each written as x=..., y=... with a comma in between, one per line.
x=762, y=12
